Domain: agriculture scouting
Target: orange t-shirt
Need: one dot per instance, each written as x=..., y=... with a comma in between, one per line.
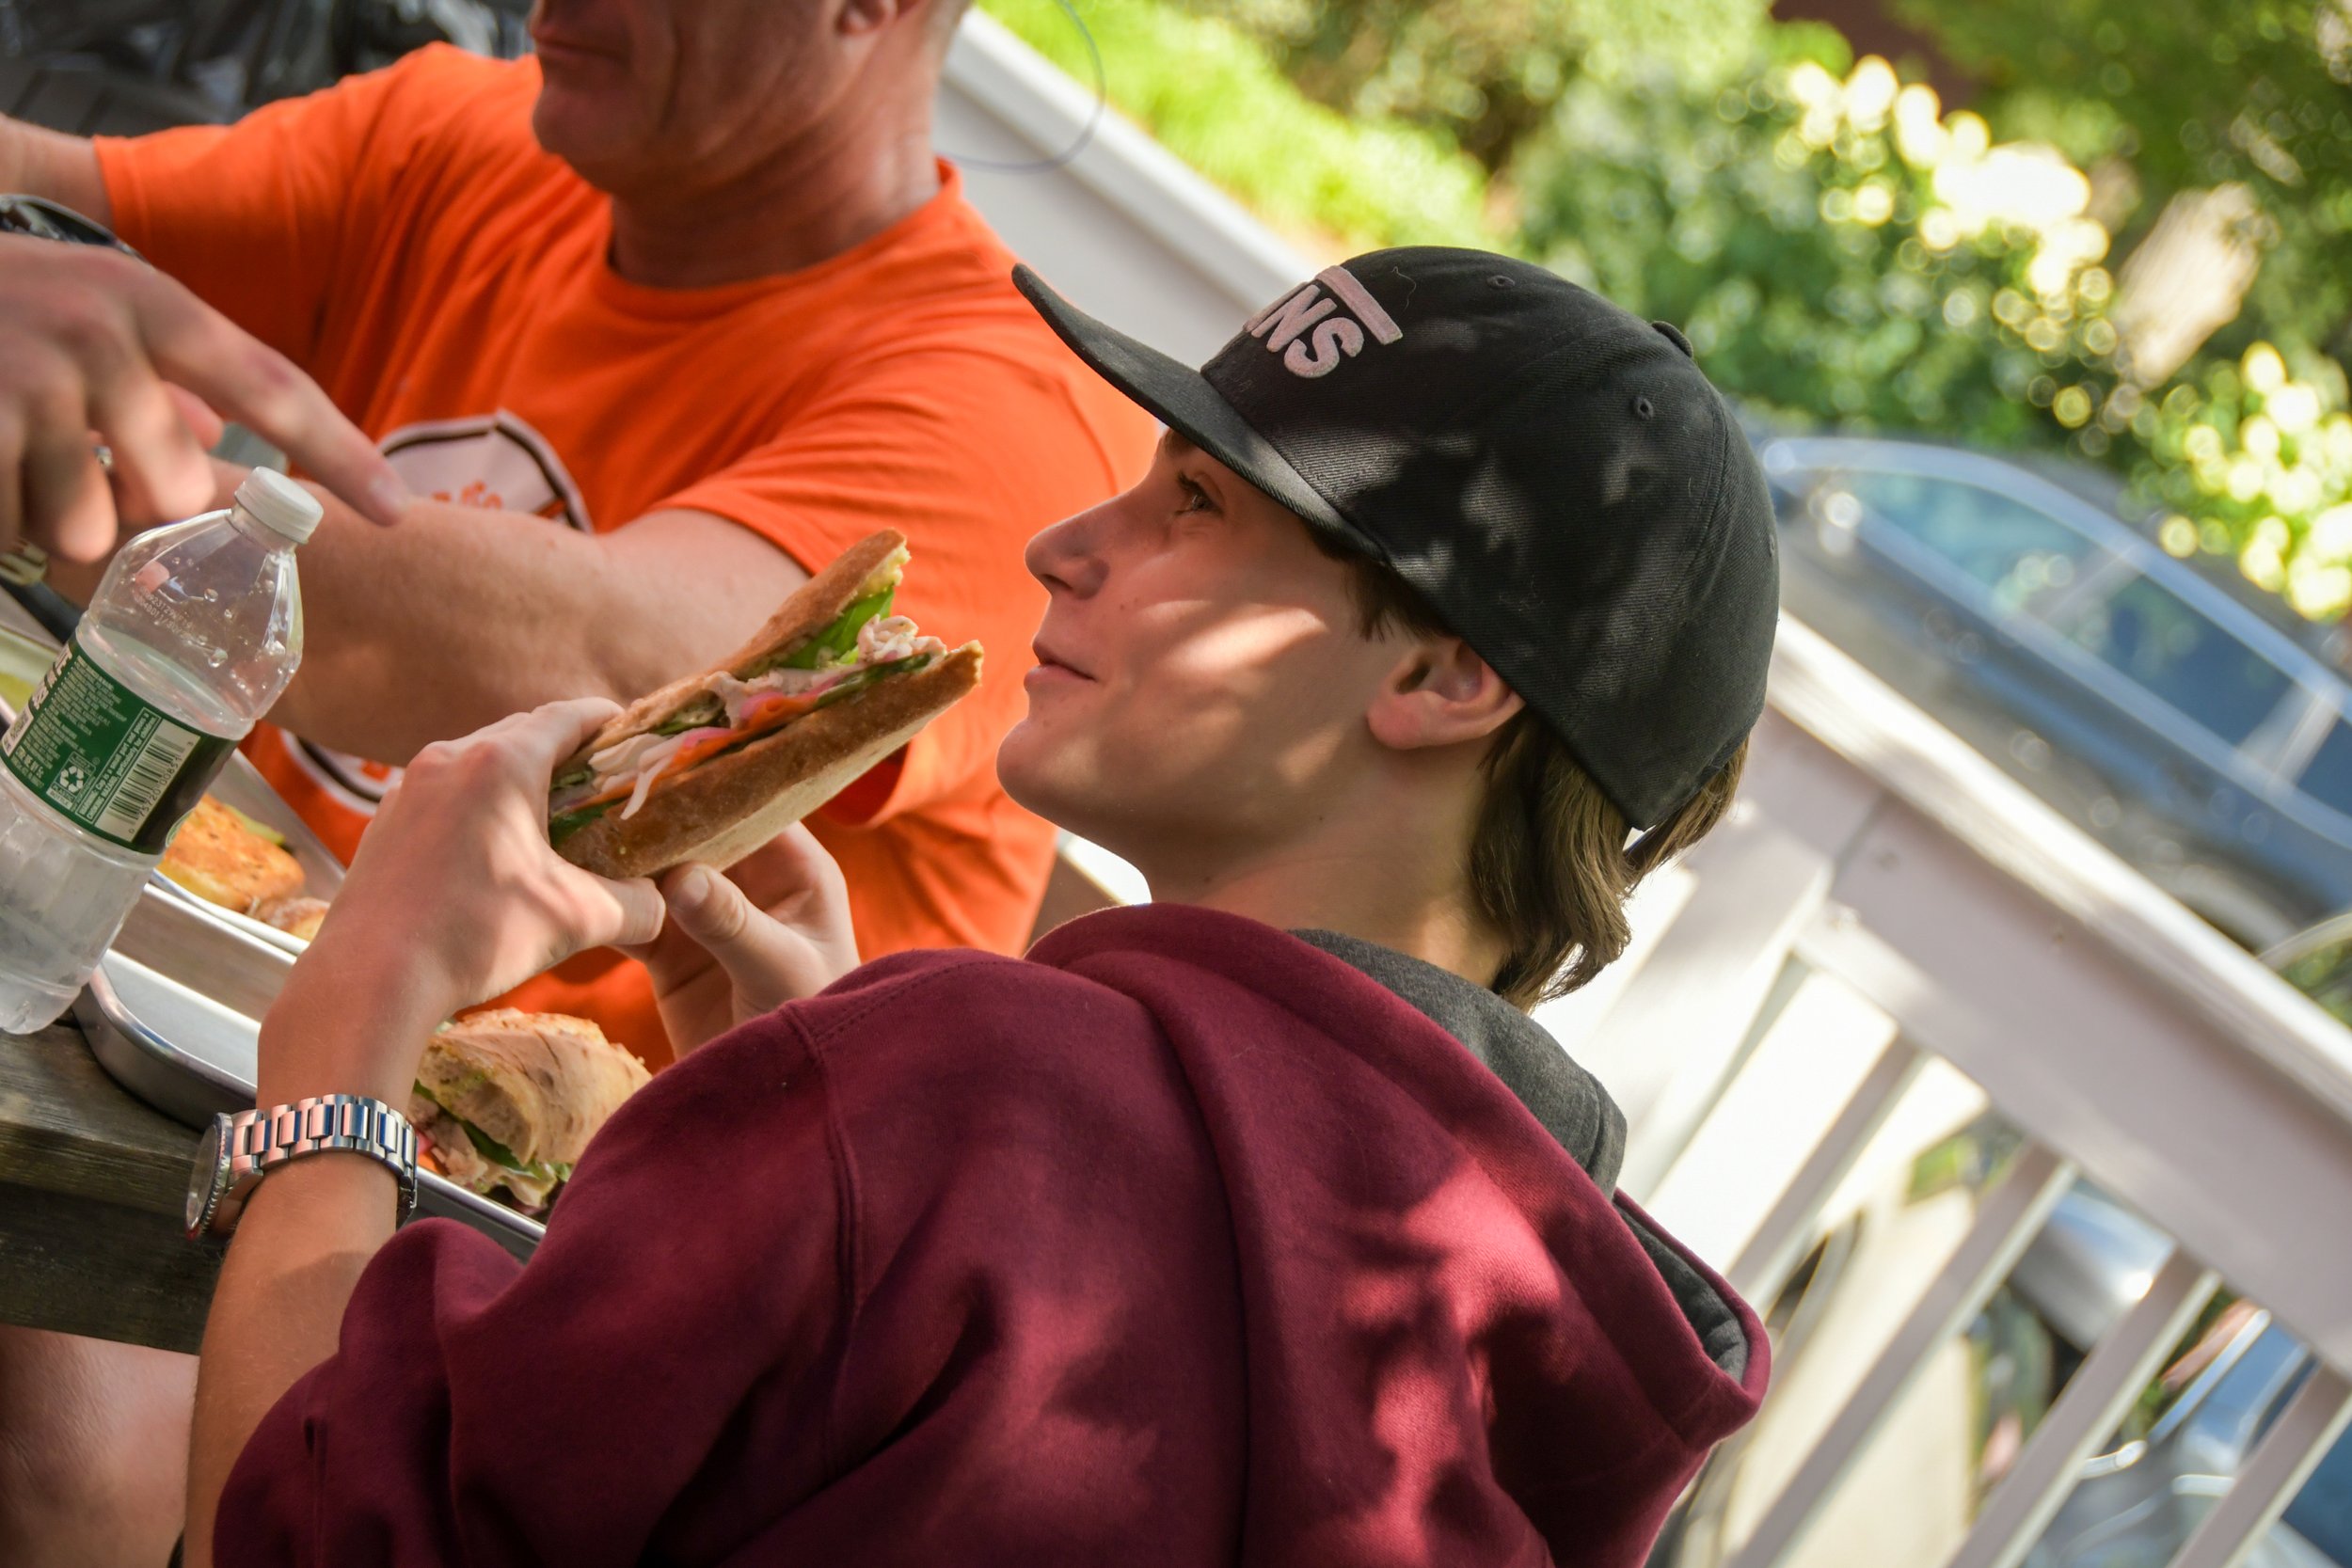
x=404, y=239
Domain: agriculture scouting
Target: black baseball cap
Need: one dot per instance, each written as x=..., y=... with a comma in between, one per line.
x=1552, y=474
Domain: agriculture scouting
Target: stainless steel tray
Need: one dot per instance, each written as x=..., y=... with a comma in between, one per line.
x=171, y=1014
x=241, y=785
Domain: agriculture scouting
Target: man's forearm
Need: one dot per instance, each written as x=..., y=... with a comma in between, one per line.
x=459, y=616
x=62, y=168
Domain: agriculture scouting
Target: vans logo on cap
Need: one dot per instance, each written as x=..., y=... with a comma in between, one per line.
x=1308, y=331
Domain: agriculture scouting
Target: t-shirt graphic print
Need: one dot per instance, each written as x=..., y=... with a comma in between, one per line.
x=496, y=461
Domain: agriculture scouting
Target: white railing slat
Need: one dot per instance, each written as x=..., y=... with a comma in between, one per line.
x=2140, y=1090
x=2279, y=1465
x=2006, y=1220
x=1817, y=1047
x=1997, y=825
x=1666, y=1048
x=1762, y=1265
x=2099, y=1394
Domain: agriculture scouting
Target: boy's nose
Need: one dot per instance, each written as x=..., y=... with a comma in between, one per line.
x=1065, y=557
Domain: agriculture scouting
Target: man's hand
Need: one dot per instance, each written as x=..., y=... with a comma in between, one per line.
x=455, y=897
x=92, y=347
x=774, y=929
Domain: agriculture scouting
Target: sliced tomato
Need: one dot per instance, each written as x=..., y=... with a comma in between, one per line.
x=769, y=710
x=772, y=708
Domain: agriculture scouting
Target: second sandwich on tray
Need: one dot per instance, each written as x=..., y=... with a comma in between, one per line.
x=709, y=768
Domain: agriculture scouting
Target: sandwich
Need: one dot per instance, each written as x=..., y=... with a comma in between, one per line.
x=509, y=1100
x=297, y=916
x=710, y=767
x=224, y=857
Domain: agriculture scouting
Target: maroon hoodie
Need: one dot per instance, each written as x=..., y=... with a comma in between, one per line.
x=1183, y=1240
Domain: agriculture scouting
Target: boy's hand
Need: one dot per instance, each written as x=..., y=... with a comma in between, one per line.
x=774, y=929
x=455, y=897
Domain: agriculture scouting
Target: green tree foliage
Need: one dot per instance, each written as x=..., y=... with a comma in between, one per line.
x=1215, y=97
x=2184, y=96
x=1838, y=252
x=2257, y=463
x=1487, y=72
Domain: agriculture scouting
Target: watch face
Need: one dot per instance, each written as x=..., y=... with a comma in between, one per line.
x=208, y=1178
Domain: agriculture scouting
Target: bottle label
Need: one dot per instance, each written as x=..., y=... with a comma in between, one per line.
x=106, y=757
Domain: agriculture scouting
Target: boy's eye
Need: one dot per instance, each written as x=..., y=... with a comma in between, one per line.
x=1196, y=499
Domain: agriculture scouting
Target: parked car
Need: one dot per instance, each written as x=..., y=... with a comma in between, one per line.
x=2196, y=728
x=2134, y=1505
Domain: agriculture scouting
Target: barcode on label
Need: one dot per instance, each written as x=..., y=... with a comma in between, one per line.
x=144, y=781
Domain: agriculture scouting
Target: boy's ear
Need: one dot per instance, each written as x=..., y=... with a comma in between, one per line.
x=1440, y=693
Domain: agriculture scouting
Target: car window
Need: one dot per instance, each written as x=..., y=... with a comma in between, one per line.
x=2169, y=647
x=2017, y=552
x=2328, y=777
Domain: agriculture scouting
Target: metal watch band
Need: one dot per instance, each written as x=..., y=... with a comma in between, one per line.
x=350, y=1122
x=251, y=1144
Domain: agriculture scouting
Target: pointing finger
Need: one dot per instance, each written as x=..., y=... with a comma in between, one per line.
x=197, y=348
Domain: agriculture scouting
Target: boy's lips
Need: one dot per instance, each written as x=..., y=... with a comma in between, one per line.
x=1052, y=666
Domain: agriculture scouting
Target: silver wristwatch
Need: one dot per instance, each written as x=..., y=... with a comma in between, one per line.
x=242, y=1148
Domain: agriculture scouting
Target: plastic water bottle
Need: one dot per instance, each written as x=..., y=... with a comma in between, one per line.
x=193, y=632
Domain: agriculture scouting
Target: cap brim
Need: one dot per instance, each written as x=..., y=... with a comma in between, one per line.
x=1181, y=399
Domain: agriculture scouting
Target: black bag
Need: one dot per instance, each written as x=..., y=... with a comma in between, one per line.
x=126, y=67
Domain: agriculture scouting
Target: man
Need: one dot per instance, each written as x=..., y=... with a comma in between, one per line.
x=656, y=323
x=1254, y=1226
x=691, y=288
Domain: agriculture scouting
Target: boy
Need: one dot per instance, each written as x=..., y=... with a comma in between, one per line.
x=1253, y=1226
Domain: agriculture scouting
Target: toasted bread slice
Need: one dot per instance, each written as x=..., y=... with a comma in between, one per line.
x=721, y=809
x=220, y=859
x=808, y=610
x=539, y=1083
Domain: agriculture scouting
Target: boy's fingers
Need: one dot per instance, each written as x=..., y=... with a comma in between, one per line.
x=761, y=956
x=637, y=914
x=548, y=733
x=709, y=908
x=790, y=864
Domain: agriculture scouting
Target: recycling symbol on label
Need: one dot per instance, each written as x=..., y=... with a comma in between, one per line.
x=71, y=780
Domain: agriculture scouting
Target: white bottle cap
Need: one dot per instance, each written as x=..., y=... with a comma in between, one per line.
x=280, y=504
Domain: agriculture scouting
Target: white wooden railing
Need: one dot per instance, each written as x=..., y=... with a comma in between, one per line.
x=1890, y=954
x=1889, y=939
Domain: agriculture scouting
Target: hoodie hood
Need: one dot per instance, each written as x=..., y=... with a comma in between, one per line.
x=1459, y=1346
x=1568, y=1100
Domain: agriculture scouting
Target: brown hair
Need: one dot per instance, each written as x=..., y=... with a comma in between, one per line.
x=1549, y=866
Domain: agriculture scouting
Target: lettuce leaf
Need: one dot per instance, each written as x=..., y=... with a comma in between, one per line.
x=565, y=824
x=871, y=674
x=836, y=642
x=499, y=1154
x=705, y=709
x=258, y=830
x=488, y=1147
